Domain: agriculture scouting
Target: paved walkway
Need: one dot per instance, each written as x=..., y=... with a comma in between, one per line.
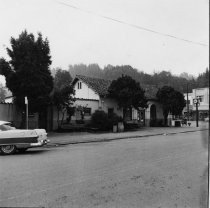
x=86, y=137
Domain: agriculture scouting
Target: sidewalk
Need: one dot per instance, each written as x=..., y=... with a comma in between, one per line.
x=86, y=137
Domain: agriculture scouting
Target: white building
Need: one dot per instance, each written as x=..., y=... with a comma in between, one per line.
x=202, y=94
x=91, y=95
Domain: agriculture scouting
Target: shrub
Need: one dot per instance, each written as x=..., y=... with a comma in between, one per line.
x=101, y=120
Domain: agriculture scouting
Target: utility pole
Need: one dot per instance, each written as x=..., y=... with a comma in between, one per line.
x=197, y=114
x=196, y=103
x=26, y=103
x=187, y=104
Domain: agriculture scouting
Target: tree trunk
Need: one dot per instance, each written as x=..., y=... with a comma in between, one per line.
x=58, y=116
x=165, y=115
x=124, y=113
x=63, y=114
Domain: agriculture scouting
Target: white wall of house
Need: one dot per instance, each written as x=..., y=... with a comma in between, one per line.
x=134, y=114
x=92, y=104
x=159, y=111
x=83, y=91
x=107, y=103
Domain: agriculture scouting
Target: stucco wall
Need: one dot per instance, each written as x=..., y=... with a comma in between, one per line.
x=85, y=92
x=107, y=103
x=159, y=112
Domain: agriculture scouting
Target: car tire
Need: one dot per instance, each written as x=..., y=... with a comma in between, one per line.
x=7, y=149
x=22, y=150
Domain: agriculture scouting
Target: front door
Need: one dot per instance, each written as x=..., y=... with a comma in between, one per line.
x=152, y=115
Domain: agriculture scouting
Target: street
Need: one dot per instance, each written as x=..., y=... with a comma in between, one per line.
x=164, y=171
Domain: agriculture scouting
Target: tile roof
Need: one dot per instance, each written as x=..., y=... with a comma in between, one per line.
x=100, y=86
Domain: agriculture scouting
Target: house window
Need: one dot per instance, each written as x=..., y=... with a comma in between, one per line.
x=201, y=98
x=87, y=111
x=79, y=85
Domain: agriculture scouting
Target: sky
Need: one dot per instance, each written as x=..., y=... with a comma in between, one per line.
x=120, y=32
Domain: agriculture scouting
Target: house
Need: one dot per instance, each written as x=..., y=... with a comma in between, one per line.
x=91, y=95
x=202, y=94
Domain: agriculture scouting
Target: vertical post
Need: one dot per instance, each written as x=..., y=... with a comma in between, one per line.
x=197, y=113
x=26, y=103
x=187, y=104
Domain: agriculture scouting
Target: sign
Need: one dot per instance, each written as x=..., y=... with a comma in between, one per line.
x=26, y=100
x=195, y=101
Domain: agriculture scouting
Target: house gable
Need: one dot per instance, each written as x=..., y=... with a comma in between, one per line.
x=83, y=91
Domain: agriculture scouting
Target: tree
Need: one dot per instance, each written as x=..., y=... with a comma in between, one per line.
x=63, y=93
x=128, y=93
x=203, y=79
x=172, y=101
x=62, y=78
x=27, y=73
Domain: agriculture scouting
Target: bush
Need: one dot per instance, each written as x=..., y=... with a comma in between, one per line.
x=101, y=120
x=156, y=123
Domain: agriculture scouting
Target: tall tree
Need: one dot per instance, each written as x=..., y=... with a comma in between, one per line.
x=128, y=93
x=27, y=72
x=62, y=95
x=203, y=79
x=172, y=101
x=62, y=78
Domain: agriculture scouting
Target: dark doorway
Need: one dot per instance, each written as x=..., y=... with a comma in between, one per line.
x=153, y=116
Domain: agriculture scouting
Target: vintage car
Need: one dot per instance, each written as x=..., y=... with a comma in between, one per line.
x=12, y=139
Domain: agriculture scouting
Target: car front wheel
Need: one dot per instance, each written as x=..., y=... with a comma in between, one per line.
x=7, y=149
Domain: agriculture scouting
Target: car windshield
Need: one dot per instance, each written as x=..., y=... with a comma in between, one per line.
x=6, y=127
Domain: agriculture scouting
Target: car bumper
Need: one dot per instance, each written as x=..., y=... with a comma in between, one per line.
x=31, y=145
x=40, y=143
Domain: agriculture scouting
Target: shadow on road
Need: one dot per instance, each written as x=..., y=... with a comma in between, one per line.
x=32, y=152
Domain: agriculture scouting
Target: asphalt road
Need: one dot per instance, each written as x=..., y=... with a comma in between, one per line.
x=160, y=171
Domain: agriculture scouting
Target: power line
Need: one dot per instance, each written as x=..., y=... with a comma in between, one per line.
x=132, y=25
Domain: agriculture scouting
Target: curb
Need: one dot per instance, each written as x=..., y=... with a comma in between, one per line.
x=120, y=138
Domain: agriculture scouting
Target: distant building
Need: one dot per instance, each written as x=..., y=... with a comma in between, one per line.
x=202, y=94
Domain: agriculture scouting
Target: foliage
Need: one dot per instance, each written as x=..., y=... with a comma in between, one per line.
x=92, y=70
x=63, y=92
x=27, y=73
x=100, y=120
x=62, y=78
x=203, y=79
x=127, y=92
x=155, y=80
x=172, y=101
x=103, y=121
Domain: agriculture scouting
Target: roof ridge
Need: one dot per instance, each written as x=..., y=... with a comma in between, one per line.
x=79, y=75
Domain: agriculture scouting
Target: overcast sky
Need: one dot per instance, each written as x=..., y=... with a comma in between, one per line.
x=80, y=31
